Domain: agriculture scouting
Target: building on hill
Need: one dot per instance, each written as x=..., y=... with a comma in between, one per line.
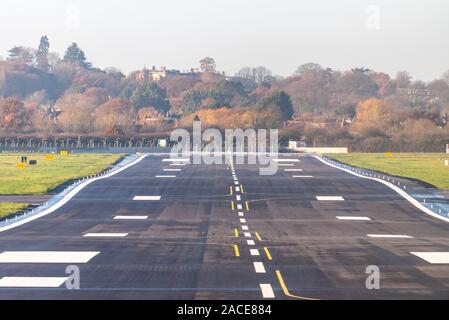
x=155, y=74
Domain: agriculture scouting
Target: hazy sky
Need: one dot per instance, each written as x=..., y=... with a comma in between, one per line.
x=384, y=35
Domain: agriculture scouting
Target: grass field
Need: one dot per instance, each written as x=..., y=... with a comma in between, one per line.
x=427, y=167
x=48, y=174
x=7, y=208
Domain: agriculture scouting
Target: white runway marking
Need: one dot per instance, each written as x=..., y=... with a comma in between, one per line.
x=241, y=214
x=176, y=160
x=236, y=182
x=245, y=228
x=105, y=235
x=32, y=282
x=389, y=236
x=237, y=189
x=330, y=198
x=259, y=267
x=433, y=257
x=285, y=160
x=353, y=218
x=285, y=165
x=239, y=206
x=267, y=291
x=302, y=176
x=242, y=220
x=254, y=252
x=130, y=217
x=147, y=198
x=247, y=234
x=172, y=170
x=251, y=242
x=163, y=177
x=238, y=198
x=292, y=170
x=177, y=164
x=47, y=256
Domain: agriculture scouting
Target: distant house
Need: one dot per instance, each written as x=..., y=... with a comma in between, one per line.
x=155, y=74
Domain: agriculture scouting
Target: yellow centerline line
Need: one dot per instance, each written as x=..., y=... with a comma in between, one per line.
x=285, y=289
x=247, y=205
x=267, y=253
x=258, y=237
x=236, y=232
x=236, y=249
x=241, y=188
x=232, y=205
x=230, y=190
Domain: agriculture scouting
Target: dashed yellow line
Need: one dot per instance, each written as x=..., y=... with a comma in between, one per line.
x=285, y=289
x=232, y=205
x=230, y=190
x=236, y=232
x=236, y=249
x=247, y=205
x=241, y=188
x=267, y=253
x=258, y=237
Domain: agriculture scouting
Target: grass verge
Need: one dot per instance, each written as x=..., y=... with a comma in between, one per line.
x=7, y=208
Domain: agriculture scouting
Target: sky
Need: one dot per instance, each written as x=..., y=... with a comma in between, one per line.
x=383, y=35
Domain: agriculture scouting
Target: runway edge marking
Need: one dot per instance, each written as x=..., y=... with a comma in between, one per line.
x=402, y=193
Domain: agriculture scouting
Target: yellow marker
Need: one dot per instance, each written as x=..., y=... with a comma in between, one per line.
x=50, y=157
x=232, y=205
x=241, y=188
x=230, y=190
x=236, y=249
x=247, y=205
x=284, y=288
x=258, y=237
x=64, y=153
x=236, y=232
x=267, y=253
x=21, y=165
x=388, y=154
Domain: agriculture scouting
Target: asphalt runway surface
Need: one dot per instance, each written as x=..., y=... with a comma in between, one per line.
x=226, y=232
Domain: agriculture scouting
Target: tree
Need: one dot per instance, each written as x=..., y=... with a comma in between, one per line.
x=75, y=55
x=22, y=54
x=258, y=75
x=309, y=67
x=208, y=65
x=13, y=114
x=149, y=94
x=42, y=54
x=278, y=102
x=403, y=79
x=115, y=112
x=445, y=77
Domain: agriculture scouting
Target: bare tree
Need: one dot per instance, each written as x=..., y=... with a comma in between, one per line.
x=208, y=65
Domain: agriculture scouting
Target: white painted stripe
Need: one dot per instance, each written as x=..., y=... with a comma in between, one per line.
x=267, y=291
x=130, y=217
x=47, y=256
x=239, y=206
x=172, y=170
x=251, y=242
x=241, y=214
x=259, y=267
x=237, y=189
x=330, y=198
x=177, y=164
x=163, y=177
x=175, y=160
x=242, y=220
x=353, y=218
x=433, y=257
x=238, y=198
x=32, y=282
x=398, y=190
x=105, y=235
x=235, y=179
x=302, y=176
x=70, y=195
x=285, y=164
x=247, y=234
x=292, y=170
x=286, y=160
x=254, y=252
x=147, y=198
x=389, y=236
x=245, y=228
x=236, y=182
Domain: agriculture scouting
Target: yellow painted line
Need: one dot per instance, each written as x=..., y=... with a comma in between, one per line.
x=232, y=205
x=285, y=289
x=236, y=249
x=230, y=190
x=236, y=232
x=258, y=237
x=241, y=188
x=267, y=253
x=247, y=205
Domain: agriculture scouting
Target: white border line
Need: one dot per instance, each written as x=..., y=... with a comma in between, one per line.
x=404, y=194
x=69, y=196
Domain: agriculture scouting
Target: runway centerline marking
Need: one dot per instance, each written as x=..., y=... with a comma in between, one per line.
x=286, y=164
x=245, y=228
x=238, y=198
x=267, y=291
x=242, y=220
x=147, y=198
x=175, y=160
x=259, y=267
x=237, y=189
x=389, y=236
x=47, y=256
x=254, y=252
x=130, y=217
x=330, y=198
x=433, y=257
x=241, y=214
x=105, y=235
x=32, y=282
x=172, y=170
x=165, y=176
x=239, y=207
x=250, y=242
x=302, y=176
x=353, y=218
x=247, y=234
x=293, y=170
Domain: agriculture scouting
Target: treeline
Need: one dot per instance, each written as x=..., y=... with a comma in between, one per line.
x=43, y=94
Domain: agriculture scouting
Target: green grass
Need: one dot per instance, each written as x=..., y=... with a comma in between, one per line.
x=7, y=208
x=47, y=174
x=427, y=167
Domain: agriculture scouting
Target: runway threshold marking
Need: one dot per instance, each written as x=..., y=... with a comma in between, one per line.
x=259, y=267
x=147, y=198
x=172, y=170
x=236, y=249
x=285, y=164
x=239, y=207
x=330, y=198
x=267, y=252
x=32, y=282
x=353, y=218
x=130, y=217
x=433, y=257
x=267, y=291
x=285, y=289
x=389, y=236
x=105, y=235
x=47, y=256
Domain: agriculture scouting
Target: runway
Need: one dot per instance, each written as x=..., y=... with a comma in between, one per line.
x=176, y=230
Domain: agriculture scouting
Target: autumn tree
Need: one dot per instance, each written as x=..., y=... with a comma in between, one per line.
x=116, y=112
x=42, y=54
x=22, y=54
x=13, y=115
x=208, y=65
